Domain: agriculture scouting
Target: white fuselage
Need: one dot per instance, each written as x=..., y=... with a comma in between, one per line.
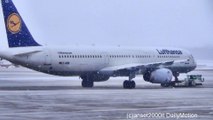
x=77, y=61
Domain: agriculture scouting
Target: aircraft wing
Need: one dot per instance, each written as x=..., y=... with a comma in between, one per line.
x=121, y=67
x=138, y=66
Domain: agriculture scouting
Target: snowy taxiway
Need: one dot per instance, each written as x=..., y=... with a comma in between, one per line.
x=29, y=95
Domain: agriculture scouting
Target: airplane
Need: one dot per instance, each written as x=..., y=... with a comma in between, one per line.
x=91, y=64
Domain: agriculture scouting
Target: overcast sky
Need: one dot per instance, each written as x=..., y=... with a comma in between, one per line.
x=173, y=23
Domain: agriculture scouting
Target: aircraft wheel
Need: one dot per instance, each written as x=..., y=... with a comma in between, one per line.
x=129, y=84
x=87, y=84
x=125, y=84
x=133, y=84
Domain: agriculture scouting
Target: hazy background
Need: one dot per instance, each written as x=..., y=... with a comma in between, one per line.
x=165, y=23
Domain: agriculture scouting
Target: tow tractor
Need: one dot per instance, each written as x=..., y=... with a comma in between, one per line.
x=190, y=81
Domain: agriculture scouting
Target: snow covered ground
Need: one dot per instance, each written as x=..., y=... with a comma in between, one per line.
x=204, y=64
x=29, y=95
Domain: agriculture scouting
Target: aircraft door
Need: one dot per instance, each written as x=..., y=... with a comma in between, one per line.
x=105, y=59
x=47, y=61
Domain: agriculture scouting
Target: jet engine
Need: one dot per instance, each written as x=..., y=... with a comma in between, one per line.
x=162, y=75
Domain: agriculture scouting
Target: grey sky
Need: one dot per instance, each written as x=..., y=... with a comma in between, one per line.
x=174, y=23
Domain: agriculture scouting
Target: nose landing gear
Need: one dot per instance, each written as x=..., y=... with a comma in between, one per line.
x=173, y=83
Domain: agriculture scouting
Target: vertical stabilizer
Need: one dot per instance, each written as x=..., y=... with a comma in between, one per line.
x=17, y=32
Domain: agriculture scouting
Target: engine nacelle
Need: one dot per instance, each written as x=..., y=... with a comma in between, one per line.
x=162, y=75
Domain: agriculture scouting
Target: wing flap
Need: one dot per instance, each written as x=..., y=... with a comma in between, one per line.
x=127, y=66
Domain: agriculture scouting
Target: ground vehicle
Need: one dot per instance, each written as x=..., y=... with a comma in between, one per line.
x=191, y=81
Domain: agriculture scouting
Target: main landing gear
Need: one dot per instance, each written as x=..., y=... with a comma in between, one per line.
x=129, y=84
x=87, y=81
x=176, y=77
